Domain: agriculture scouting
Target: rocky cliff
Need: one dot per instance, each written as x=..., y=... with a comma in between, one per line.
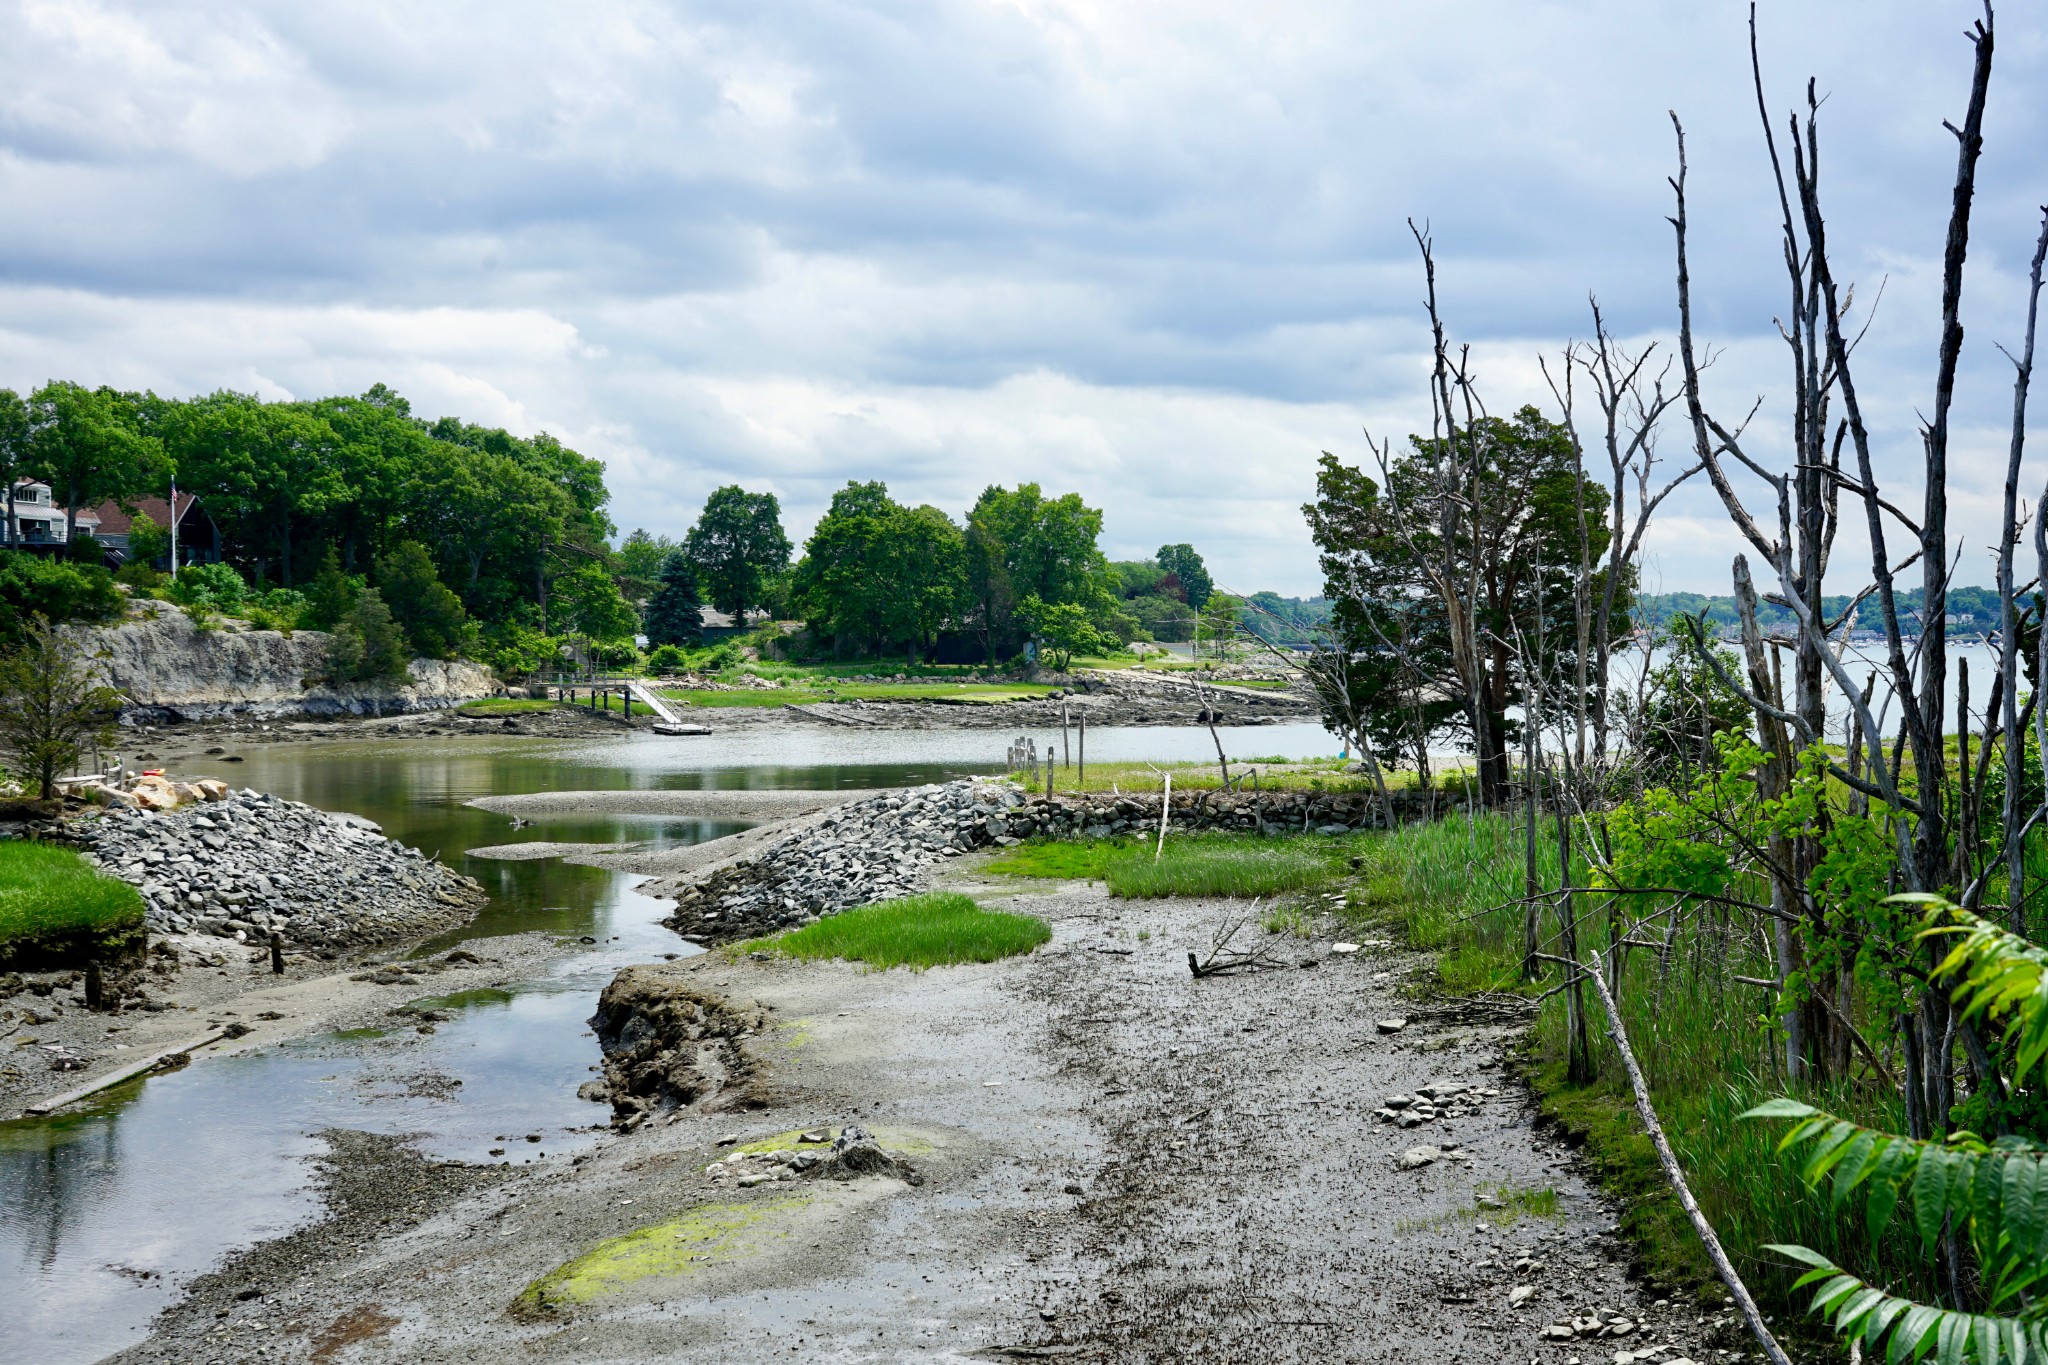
x=170, y=670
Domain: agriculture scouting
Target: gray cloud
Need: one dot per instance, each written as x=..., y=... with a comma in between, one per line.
x=1156, y=252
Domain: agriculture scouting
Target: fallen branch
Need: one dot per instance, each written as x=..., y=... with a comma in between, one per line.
x=1722, y=1265
x=1223, y=958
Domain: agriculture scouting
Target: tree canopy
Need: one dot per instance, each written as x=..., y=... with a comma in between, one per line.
x=738, y=545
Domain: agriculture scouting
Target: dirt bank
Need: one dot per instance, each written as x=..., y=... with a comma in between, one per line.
x=1119, y=1163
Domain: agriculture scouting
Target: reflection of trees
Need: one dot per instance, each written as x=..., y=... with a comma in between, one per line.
x=51, y=1172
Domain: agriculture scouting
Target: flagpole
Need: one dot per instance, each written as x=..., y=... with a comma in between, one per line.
x=174, y=528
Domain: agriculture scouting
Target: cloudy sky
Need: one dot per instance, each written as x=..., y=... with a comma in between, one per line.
x=1155, y=251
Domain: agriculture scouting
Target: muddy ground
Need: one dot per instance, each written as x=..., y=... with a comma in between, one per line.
x=1118, y=1162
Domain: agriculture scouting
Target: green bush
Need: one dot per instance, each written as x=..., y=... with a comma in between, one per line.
x=668, y=659
x=368, y=645
x=937, y=929
x=514, y=650
x=48, y=892
x=281, y=609
x=32, y=586
x=210, y=587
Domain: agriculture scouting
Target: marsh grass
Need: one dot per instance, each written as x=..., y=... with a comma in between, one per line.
x=1207, y=864
x=1706, y=1042
x=47, y=891
x=1502, y=1206
x=802, y=691
x=505, y=706
x=937, y=929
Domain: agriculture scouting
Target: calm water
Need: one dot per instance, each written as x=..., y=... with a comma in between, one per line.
x=104, y=1211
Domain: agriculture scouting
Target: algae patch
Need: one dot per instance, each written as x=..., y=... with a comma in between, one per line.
x=706, y=1234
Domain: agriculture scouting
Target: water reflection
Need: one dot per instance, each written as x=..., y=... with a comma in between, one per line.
x=105, y=1210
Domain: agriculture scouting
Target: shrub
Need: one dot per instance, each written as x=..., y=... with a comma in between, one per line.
x=518, y=651
x=332, y=595
x=31, y=586
x=668, y=659
x=281, y=609
x=367, y=645
x=210, y=587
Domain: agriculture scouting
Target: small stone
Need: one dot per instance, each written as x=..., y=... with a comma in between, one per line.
x=1417, y=1157
x=759, y=1177
x=1392, y=1025
x=1399, y=1101
x=729, y=1139
x=1520, y=1295
x=1344, y=948
x=1559, y=1331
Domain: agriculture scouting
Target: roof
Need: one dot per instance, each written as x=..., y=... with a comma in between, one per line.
x=115, y=522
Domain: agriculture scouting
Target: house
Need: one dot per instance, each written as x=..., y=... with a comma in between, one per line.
x=39, y=523
x=198, y=537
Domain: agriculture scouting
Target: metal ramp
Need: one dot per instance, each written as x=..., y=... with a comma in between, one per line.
x=667, y=722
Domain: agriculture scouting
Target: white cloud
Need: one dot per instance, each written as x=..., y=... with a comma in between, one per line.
x=1153, y=251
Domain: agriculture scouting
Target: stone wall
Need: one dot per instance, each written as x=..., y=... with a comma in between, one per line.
x=170, y=670
x=1276, y=811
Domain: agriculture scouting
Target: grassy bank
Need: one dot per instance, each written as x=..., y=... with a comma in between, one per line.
x=823, y=689
x=1205, y=864
x=505, y=706
x=54, y=906
x=936, y=929
x=1706, y=1042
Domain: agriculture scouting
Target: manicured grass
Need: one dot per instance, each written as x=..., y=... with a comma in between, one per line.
x=505, y=706
x=936, y=929
x=47, y=891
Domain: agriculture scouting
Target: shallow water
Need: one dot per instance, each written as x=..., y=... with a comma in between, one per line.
x=105, y=1210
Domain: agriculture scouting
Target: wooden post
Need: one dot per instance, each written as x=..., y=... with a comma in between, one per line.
x=1066, y=758
x=276, y=953
x=1082, y=771
x=1048, y=771
x=1165, y=805
x=95, y=987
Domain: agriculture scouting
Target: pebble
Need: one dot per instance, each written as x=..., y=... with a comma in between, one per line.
x=1392, y=1025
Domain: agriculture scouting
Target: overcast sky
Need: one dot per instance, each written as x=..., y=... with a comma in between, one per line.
x=1153, y=251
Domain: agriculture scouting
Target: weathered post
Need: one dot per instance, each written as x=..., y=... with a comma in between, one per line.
x=1165, y=805
x=1081, y=772
x=1066, y=757
x=276, y=953
x=95, y=987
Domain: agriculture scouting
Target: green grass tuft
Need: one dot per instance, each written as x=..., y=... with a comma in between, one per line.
x=1210, y=864
x=1069, y=860
x=936, y=929
x=505, y=706
x=47, y=891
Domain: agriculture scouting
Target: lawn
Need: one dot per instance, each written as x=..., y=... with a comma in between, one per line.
x=936, y=929
x=1191, y=864
x=49, y=893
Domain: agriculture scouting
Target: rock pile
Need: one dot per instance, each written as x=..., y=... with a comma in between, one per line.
x=252, y=864
x=857, y=854
x=1445, y=1099
x=819, y=1154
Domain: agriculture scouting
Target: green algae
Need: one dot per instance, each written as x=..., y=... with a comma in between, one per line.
x=707, y=1235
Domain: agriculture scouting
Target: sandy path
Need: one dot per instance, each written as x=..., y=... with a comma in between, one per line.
x=1164, y=1169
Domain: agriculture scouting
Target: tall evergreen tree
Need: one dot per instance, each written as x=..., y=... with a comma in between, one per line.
x=674, y=615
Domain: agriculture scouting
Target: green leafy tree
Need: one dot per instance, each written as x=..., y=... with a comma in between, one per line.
x=210, y=587
x=1183, y=563
x=925, y=568
x=32, y=586
x=842, y=579
x=86, y=444
x=1022, y=544
x=54, y=700
x=148, y=542
x=639, y=562
x=588, y=604
x=674, y=616
x=267, y=471
x=332, y=593
x=737, y=545
x=431, y=616
x=15, y=453
x=367, y=645
x=1063, y=629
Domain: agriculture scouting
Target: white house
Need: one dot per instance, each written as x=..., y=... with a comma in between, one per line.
x=38, y=520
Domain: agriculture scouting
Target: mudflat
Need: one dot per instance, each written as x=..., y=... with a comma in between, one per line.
x=1113, y=1161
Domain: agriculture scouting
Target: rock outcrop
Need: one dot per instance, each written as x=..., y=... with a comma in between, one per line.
x=170, y=670
x=253, y=864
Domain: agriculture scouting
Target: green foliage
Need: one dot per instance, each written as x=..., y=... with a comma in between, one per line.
x=587, y=603
x=53, y=702
x=46, y=891
x=280, y=609
x=435, y=625
x=668, y=659
x=1685, y=704
x=32, y=586
x=937, y=929
x=1192, y=575
x=210, y=587
x=1062, y=629
x=332, y=594
x=1995, y=1195
x=1212, y=868
x=367, y=645
x=674, y=618
x=88, y=445
x=1061, y=859
x=639, y=563
x=738, y=545
x=516, y=650
x=147, y=541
